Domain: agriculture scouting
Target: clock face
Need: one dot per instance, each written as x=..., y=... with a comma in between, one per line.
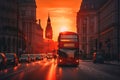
x=49, y=35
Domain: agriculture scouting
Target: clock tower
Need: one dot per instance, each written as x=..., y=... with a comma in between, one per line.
x=48, y=31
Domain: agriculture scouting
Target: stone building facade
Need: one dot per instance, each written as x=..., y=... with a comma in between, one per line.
x=27, y=21
x=87, y=25
x=102, y=28
x=38, y=41
x=108, y=28
x=10, y=35
x=18, y=27
x=28, y=25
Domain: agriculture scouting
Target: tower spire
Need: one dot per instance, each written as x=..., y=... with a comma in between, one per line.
x=49, y=17
x=48, y=31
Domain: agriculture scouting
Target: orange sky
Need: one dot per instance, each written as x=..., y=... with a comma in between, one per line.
x=62, y=14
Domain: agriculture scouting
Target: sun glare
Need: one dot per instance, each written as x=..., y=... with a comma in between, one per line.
x=64, y=28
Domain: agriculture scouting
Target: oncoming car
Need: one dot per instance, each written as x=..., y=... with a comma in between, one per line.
x=3, y=61
x=98, y=57
x=24, y=58
x=12, y=59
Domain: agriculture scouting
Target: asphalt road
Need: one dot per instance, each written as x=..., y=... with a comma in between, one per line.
x=48, y=70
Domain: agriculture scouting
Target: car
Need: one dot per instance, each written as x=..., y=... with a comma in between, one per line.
x=43, y=55
x=24, y=58
x=3, y=61
x=38, y=57
x=98, y=57
x=32, y=57
x=12, y=59
x=49, y=56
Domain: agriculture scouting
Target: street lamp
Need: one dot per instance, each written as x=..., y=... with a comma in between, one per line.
x=85, y=35
x=117, y=17
x=17, y=26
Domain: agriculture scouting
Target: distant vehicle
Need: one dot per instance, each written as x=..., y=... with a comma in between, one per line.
x=68, y=48
x=49, y=56
x=43, y=55
x=32, y=57
x=12, y=59
x=98, y=58
x=3, y=61
x=38, y=57
x=24, y=58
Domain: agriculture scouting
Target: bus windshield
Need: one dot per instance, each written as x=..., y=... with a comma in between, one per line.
x=68, y=38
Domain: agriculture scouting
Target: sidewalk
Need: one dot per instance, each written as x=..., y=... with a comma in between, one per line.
x=112, y=62
x=106, y=62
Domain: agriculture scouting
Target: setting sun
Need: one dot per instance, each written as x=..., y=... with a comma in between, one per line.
x=63, y=28
x=62, y=14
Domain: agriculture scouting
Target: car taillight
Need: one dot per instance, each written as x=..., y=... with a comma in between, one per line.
x=77, y=60
x=5, y=59
x=60, y=60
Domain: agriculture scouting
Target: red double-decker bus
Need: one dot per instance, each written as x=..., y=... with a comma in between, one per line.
x=68, y=48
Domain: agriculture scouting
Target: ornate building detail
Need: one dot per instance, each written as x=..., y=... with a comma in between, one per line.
x=49, y=31
x=98, y=27
x=10, y=35
x=87, y=25
x=27, y=21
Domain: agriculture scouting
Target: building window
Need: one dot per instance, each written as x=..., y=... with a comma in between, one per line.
x=92, y=24
x=24, y=27
x=29, y=13
x=23, y=13
x=32, y=13
x=85, y=6
x=92, y=6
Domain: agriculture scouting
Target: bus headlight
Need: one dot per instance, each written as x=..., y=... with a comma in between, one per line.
x=77, y=60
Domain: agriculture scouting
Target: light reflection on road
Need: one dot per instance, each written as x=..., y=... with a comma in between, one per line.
x=15, y=68
x=5, y=70
x=52, y=71
x=48, y=70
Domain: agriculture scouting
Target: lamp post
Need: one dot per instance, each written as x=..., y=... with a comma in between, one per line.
x=108, y=45
x=98, y=41
x=118, y=29
x=17, y=27
x=85, y=35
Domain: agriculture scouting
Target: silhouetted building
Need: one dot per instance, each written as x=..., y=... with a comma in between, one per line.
x=8, y=13
x=27, y=21
x=38, y=41
x=49, y=31
x=10, y=35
